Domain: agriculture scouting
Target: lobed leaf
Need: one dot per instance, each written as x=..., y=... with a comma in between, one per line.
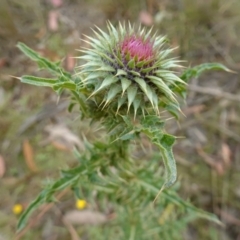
x=153, y=127
x=165, y=144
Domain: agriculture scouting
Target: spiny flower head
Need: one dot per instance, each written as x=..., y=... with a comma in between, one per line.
x=128, y=70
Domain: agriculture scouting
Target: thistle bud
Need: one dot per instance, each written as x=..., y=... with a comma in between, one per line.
x=129, y=70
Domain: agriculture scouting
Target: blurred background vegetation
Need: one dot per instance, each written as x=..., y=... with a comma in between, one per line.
x=36, y=135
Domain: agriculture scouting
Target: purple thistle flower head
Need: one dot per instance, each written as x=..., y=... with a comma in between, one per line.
x=129, y=70
x=137, y=48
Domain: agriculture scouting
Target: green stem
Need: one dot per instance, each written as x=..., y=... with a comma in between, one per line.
x=123, y=149
x=132, y=232
x=80, y=101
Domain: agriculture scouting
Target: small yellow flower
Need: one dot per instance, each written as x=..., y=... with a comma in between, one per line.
x=81, y=204
x=17, y=209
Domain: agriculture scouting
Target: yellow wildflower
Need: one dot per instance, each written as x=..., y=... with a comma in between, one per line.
x=81, y=204
x=17, y=209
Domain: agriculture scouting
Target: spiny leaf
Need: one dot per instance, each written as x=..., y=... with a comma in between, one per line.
x=163, y=87
x=113, y=30
x=113, y=91
x=153, y=126
x=166, y=144
x=148, y=91
x=95, y=42
x=174, y=198
x=173, y=108
x=93, y=75
x=105, y=36
x=42, y=62
x=125, y=84
x=146, y=70
x=67, y=85
x=135, y=73
x=47, y=193
x=136, y=104
x=25, y=215
x=198, y=70
x=165, y=53
x=159, y=40
x=106, y=68
x=152, y=123
x=121, y=101
x=140, y=64
x=170, y=76
x=127, y=120
x=142, y=84
x=28, y=51
x=128, y=136
x=153, y=98
x=89, y=57
x=131, y=64
x=38, y=81
x=118, y=128
x=121, y=72
x=147, y=34
x=131, y=93
x=105, y=83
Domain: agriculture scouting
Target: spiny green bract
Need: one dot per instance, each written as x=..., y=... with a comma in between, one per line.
x=128, y=70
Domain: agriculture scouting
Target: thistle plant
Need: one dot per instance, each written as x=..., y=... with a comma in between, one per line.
x=126, y=79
